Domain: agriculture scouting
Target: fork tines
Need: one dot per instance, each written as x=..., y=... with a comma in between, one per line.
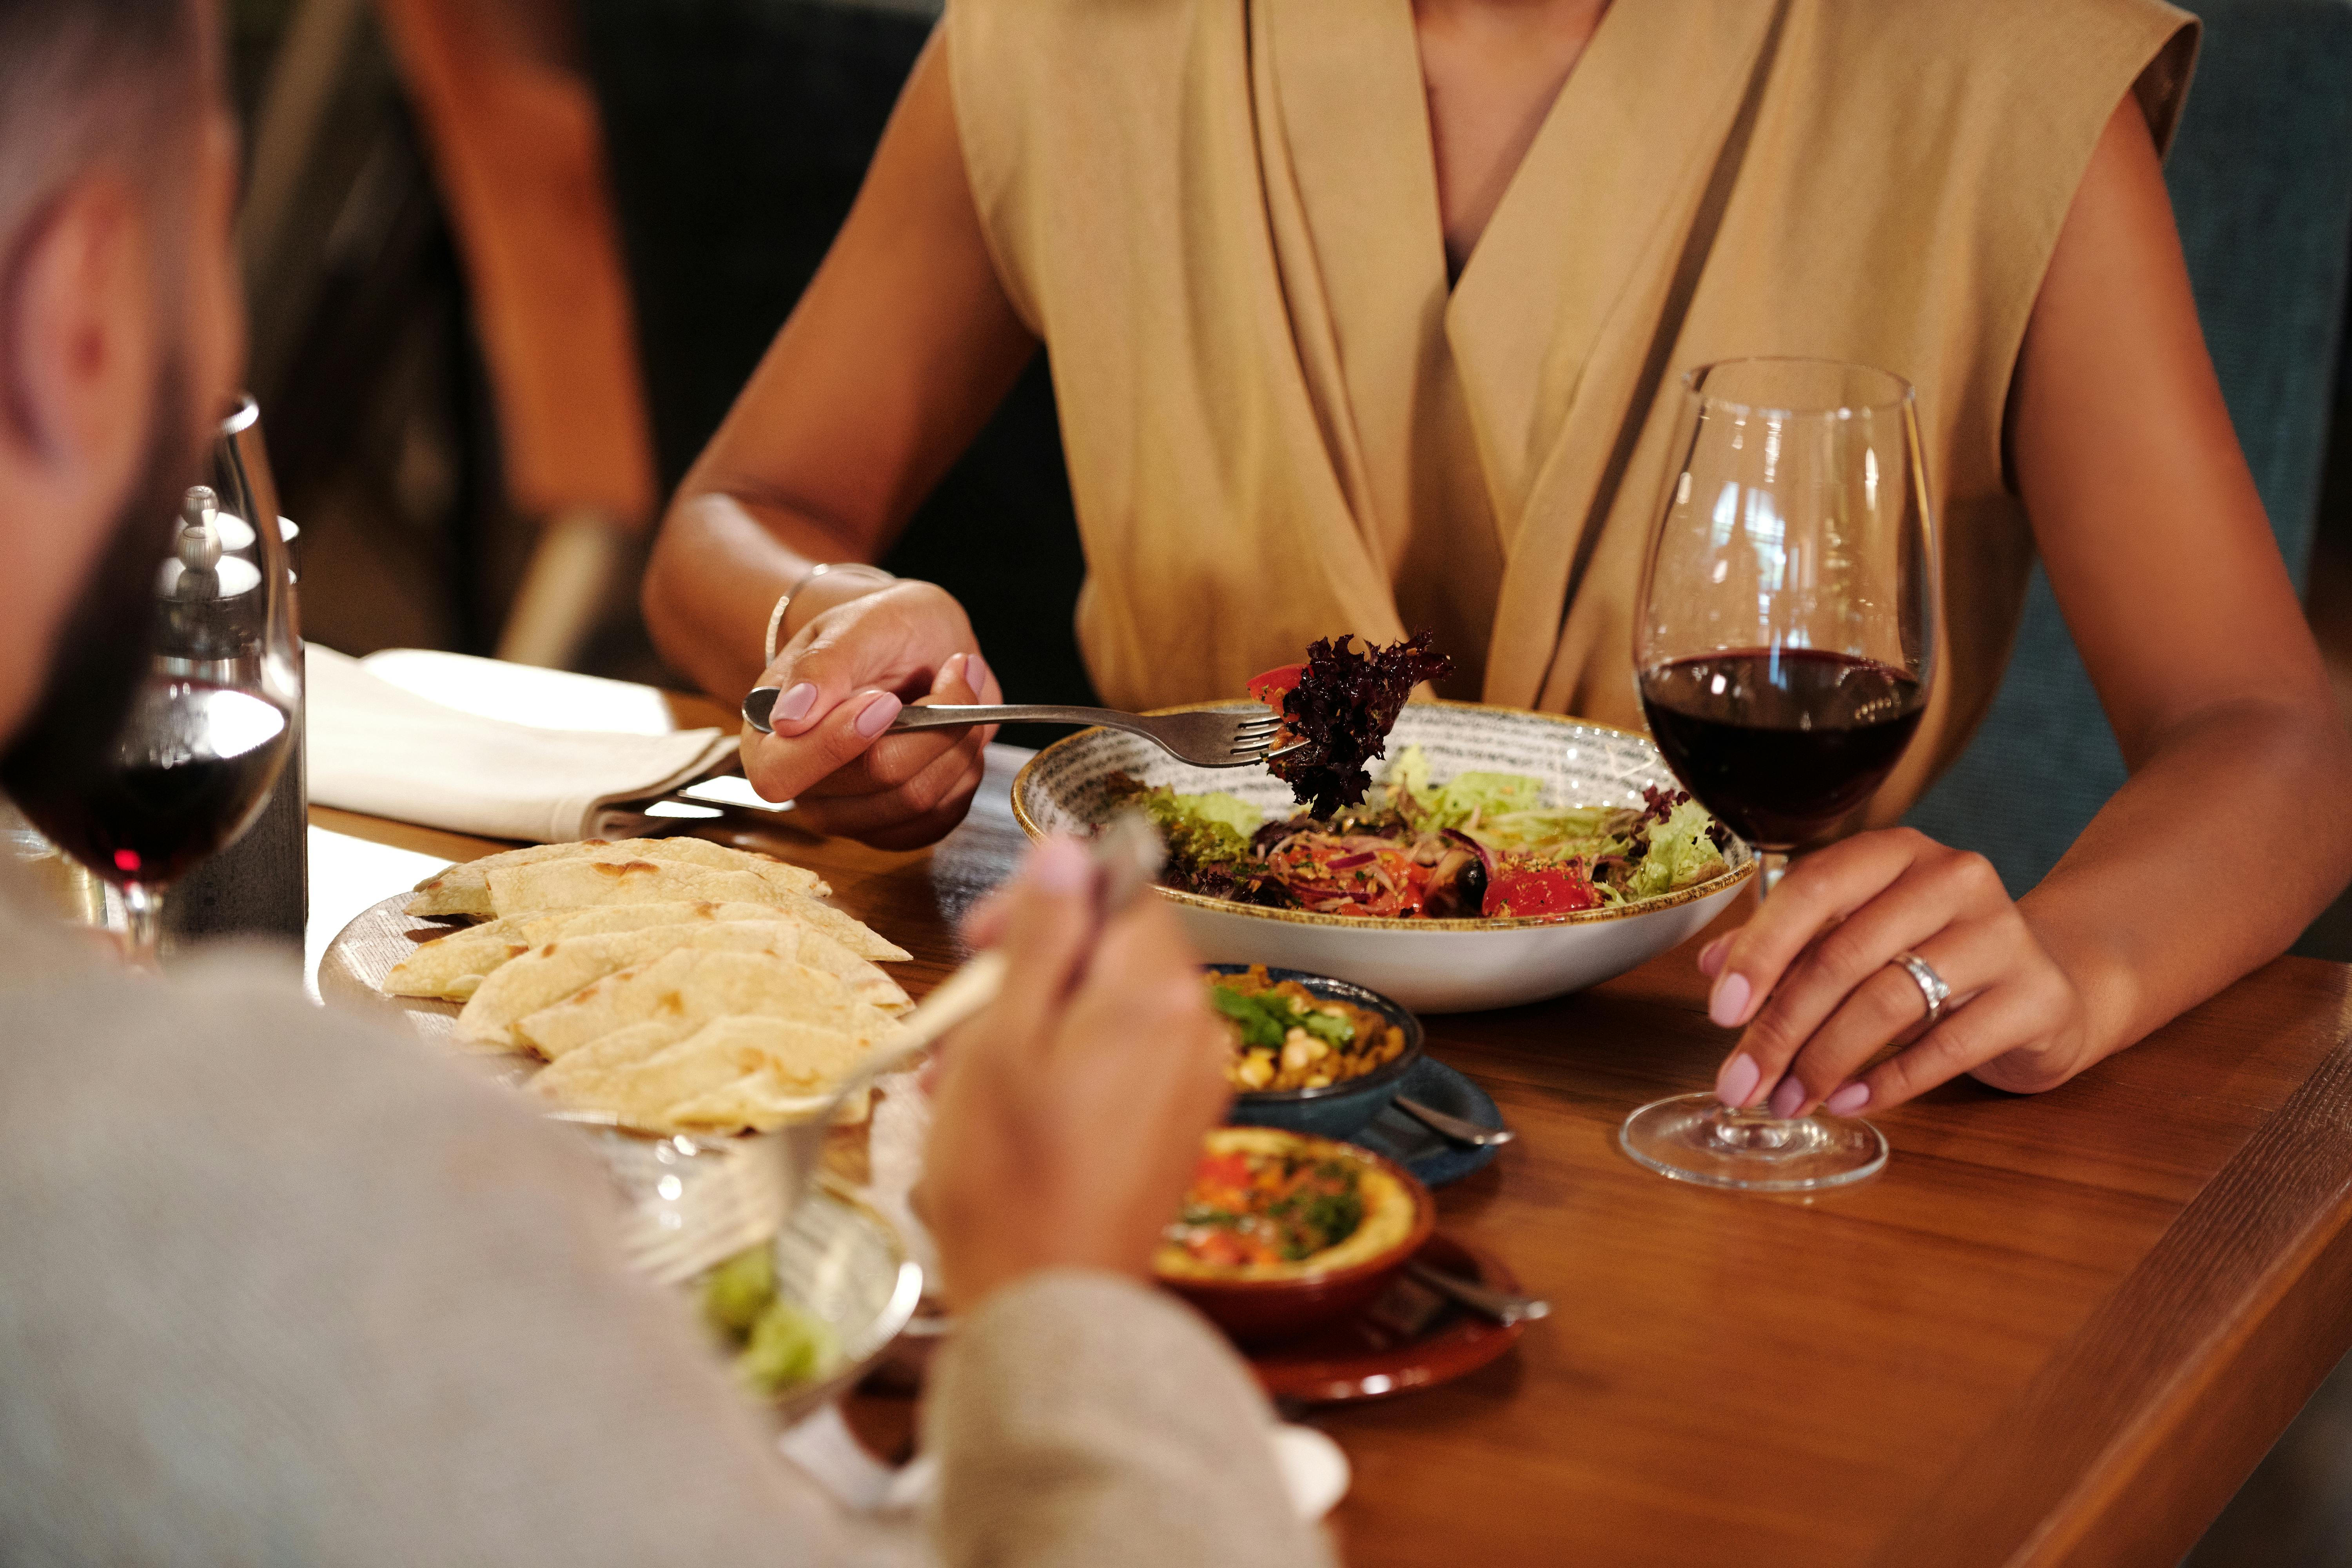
x=1253, y=738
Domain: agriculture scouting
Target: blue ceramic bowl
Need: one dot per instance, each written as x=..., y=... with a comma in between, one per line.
x=1340, y=1110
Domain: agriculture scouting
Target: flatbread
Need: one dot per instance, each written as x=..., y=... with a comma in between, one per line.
x=581, y=881
x=463, y=890
x=690, y=986
x=547, y=974
x=452, y=967
x=847, y=929
x=729, y=1074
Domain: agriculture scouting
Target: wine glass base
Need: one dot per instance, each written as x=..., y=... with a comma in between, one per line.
x=1695, y=1138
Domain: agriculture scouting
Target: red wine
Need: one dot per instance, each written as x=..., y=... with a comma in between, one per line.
x=1780, y=744
x=194, y=768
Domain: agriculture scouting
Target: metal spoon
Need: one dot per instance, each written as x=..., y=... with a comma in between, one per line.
x=1453, y=1127
x=1486, y=1301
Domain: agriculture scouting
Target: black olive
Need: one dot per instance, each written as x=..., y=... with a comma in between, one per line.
x=1457, y=889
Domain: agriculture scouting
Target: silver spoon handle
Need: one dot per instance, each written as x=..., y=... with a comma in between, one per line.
x=1453, y=1127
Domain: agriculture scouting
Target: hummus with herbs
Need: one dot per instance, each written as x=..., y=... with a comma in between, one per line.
x=1270, y=1205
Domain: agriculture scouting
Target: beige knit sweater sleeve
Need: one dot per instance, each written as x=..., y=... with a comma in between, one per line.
x=277, y=1289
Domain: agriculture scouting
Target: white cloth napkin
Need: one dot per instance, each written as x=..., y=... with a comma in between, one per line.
x=1314, y=1468
x=379, y=748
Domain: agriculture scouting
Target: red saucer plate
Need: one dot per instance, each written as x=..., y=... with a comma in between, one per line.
x=1364, y=1357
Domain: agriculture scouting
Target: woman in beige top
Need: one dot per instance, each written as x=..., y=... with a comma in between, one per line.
x=1366, y=316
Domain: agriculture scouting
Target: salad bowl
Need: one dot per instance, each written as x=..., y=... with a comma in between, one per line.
x=1429, y=965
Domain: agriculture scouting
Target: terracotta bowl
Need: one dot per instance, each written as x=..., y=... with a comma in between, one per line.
x=1259, y=1311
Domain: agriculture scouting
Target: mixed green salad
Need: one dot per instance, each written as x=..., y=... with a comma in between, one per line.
x=1483, y=844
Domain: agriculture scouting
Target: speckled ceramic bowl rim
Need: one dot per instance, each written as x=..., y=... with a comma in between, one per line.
x=1424, y=1225
x=1363, y=996
x=1691, y=894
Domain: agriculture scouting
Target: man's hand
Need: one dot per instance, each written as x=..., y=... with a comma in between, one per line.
x=1070, y=1112
x=842, y=679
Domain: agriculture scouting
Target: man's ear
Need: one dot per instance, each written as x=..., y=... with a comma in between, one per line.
x=79, y=339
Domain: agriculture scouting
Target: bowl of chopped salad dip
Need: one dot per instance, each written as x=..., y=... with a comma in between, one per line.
x=1497, y=856
x=1310, y=1053
x=804, y=1314
x=1282, y=1231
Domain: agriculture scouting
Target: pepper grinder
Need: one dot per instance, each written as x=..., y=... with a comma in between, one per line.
x=260, y=885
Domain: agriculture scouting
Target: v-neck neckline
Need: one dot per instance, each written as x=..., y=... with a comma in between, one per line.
x=1520, y=178
x=1442, y=407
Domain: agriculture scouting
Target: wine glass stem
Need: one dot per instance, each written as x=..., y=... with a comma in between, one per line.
x=1770, y=866
x=143, y=936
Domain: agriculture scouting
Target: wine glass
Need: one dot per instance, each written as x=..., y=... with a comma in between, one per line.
x=208, y=728
x=1785, y=648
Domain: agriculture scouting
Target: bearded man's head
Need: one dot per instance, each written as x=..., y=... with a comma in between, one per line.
x=121, y=336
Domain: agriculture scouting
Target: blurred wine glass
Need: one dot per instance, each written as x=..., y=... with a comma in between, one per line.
x=1785, y=648
x=209, y=727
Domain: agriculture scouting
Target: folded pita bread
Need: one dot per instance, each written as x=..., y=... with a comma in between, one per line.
x=688, y=987
x=580, y=882
x=547, y=974
x=463, y=890
x=729, y=1074
x=452, y=967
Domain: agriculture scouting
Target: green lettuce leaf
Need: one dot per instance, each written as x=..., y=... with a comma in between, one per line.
x=1680, y=853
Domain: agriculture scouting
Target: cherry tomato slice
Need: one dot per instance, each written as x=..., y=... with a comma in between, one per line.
x=1546, y=890
x=1275, y=685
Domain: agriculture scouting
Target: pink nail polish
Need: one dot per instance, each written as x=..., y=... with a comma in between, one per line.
x=1847, y=1100
x=1729, y=1004
x=878, y=715
x=1710, y=957
x=793, y=706
x=976, y=674
x=1736, y=1084
x=1786, y=1095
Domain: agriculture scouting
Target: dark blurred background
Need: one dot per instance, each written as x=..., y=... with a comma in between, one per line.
x=510, y=260
x=447, y=190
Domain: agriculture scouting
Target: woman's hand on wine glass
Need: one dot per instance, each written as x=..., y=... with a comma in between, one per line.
x=843, y=678
x=1814, y=978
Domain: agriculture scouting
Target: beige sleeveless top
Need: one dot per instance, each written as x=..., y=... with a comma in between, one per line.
x=1222, y=217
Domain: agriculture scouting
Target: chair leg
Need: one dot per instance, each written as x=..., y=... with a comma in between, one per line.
x=572, y=574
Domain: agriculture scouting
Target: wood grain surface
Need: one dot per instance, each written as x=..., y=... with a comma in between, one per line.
x=2058, y=1330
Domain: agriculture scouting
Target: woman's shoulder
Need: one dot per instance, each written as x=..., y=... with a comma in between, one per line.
x=2016, y=60
x=1986, y=30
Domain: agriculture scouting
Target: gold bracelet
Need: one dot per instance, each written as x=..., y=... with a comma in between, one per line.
x=776, y=616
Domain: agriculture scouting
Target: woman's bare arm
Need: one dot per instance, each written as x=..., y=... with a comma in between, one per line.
x=900, y=349
x=2235, y=828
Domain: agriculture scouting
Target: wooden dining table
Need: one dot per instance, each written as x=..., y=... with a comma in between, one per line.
x=2056, y=1328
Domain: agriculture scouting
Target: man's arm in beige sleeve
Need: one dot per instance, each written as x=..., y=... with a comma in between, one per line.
x=1080, y=1418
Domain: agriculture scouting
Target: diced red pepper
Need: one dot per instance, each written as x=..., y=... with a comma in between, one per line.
x=1224, y=1172
x=1218, y=1249
x=1543, y=891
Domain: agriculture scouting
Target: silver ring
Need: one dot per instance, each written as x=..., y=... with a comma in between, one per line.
x=1931, y=984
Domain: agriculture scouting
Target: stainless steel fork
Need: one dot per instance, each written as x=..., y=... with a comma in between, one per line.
x=1205, y=739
